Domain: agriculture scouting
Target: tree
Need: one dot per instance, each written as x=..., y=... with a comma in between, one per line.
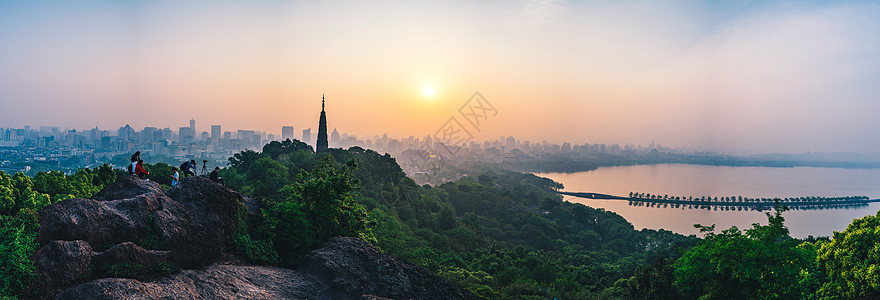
x=160, y=173
x=25, y=196
x=288, y=228
x=53, y=183
x=265, y=177
x=275, y=149
x=762, y=263
x=850, y=261
x=326, y=195
x=653, y=281
x=242, y=160
x=82, y=184
x=447, y=217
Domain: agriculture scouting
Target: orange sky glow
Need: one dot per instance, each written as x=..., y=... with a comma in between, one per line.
x=763, y=76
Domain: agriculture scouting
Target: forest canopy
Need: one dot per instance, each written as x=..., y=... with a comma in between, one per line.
x=498, y=233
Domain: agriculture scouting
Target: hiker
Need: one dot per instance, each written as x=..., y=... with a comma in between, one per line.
x=189, y=168
x=175, y=177
x=215, y=176
x=140, y=171
x=134, y=159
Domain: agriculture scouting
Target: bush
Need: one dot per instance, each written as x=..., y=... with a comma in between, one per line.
x=259, y=251
x=850, y=261
x=18, y=242
x=289, y=230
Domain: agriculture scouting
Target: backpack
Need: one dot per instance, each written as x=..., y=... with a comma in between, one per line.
x=184, y=166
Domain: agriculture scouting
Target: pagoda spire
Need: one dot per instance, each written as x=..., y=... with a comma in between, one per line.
x=322, y=143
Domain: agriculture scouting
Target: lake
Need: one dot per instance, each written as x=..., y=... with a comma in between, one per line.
x=723, y=181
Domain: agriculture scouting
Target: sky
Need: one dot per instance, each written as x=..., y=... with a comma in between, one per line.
x=737, y=76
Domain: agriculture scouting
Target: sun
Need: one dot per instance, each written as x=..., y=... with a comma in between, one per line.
x=428, y=91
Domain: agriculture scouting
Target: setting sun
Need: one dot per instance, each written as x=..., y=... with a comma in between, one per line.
x=428, y=92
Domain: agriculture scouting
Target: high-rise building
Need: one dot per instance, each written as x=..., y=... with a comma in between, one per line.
x=215, y=134
x=287, y=132
x=307, y=135
x=510, y=144
x=192, y=126
x=334, y=136
x=321, y=145
x=150, y=134
x=185, y=135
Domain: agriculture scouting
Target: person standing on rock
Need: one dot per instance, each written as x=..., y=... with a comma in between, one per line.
x=134, y=159
x=140, y=171
x=175, y=177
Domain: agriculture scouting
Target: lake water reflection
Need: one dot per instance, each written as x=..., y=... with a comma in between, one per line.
x=722, y=181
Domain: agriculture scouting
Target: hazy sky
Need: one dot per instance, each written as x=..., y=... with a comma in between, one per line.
x=769, y=76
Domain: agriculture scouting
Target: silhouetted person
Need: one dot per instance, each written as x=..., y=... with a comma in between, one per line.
x=175, y=177
x=215, y=176
x=140, y=171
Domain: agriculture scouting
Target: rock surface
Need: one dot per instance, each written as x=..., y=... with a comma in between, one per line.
x=129, y=255
x=352, y=267
x=127, y=187
x=345, y=268
x=63, y=262
x=212, y=209
x=106, y=222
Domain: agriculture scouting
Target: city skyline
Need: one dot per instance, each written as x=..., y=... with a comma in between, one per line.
x=737, y=76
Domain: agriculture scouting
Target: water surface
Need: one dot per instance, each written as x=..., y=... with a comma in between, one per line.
x=722, y=181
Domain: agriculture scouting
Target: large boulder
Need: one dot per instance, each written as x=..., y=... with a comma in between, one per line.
x=353, y=268
x=190, y=233
x=106, y=223
x=63, y=262
x=345, y=268
x=127, y=187
x=212, y=208
x=130, y=260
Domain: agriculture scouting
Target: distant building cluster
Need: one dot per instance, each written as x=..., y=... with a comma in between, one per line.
x=52, y=144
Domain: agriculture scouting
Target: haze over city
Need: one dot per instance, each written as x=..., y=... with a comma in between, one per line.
x=758, y=76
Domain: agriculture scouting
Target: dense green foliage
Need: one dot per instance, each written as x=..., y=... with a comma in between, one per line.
x=497, y=233
x=20, y=197
x=18, y=241
x=850, y=263
x=763, y=263
x=306, y=202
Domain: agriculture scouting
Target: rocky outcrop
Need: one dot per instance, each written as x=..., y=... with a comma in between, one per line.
x=345, y=268
x=103, y=223
x=175, y=235
x=127, y=187
x=212, y=209
x=135, y=230
x=352, y=268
